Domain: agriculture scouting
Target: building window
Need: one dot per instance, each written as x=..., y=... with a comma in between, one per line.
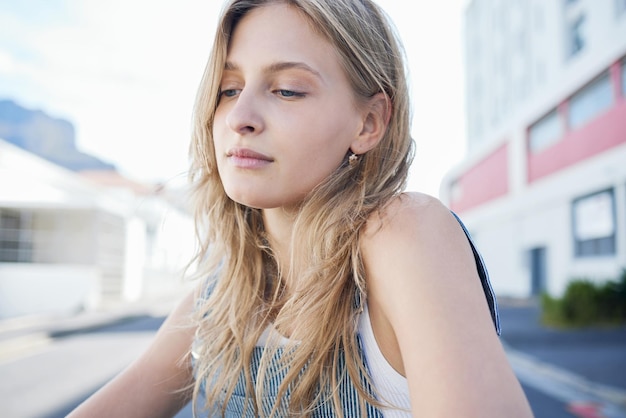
x=15, y=237
x=576, y=35
x=545, y=132
x=590, y=101
x=594, y=224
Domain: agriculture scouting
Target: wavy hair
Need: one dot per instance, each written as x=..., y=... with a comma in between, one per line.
x=247, y=286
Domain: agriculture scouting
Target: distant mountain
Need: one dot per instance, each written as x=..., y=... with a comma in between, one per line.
x=48, y=137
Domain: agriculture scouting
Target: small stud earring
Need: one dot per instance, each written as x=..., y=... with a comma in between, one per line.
x=353, y=159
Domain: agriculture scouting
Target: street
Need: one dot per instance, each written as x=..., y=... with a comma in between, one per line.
x=51, y=379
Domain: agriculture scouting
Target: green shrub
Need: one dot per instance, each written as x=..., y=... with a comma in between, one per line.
x=612, y=300
x=551, y=311
x=586, y=304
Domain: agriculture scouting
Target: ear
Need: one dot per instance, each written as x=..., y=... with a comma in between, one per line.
x=376, y=115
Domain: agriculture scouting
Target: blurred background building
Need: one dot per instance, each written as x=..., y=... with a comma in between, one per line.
x=543, y=187
x=74, y=233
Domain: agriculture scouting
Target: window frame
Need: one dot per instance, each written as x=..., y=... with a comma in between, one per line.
x=601, y=246
x=587, y=91
x=16, y=241
x=538, y=144
x=576, y=41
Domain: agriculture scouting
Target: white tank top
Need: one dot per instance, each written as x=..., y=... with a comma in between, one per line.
x=391, y=386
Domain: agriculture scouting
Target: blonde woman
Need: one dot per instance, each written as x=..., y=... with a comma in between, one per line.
x=327, y=291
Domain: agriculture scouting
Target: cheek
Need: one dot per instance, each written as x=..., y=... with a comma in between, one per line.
x=334, y=134
x=322, y=150
x=218, y=134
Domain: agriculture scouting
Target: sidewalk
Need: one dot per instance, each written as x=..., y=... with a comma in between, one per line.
x=23, y=334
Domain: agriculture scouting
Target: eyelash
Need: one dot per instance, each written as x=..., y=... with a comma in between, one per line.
x=285, y=93
x=224, y=93
x=290, y=93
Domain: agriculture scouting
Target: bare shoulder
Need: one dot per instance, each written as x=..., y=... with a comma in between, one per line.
x=414, y=250
x=429, y=312
x=415, y=217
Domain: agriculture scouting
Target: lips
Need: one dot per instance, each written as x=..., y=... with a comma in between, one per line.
x=243, y=158
x=247, y=153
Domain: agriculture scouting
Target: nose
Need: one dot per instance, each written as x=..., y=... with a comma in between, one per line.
x=244, y=117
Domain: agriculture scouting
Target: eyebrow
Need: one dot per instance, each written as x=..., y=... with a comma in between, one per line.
x=278, y=66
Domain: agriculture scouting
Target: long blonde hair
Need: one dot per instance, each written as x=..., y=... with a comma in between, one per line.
x=247, y=288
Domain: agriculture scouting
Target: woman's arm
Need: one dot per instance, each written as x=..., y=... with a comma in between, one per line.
x=151, y=386
x=430, y=315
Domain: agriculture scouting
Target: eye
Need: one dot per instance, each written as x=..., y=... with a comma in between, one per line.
x=229, y=92
x=289, y=93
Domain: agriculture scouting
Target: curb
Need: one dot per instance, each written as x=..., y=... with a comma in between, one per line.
x=12, y=348
x=17, y=347
x=22, y=336
x=566, y=386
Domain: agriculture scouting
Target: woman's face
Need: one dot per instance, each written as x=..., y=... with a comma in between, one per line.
x=286, y=115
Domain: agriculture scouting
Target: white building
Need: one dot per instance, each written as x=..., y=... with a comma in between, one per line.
x=68, y=242
x=543, y=188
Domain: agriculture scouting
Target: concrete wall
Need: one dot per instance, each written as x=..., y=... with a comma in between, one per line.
x=88, y=244
x=31, y=289
x=507, y=228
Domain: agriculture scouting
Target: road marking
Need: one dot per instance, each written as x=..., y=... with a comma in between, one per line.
x=567, y=387
x=21, y=346
x=585, y=409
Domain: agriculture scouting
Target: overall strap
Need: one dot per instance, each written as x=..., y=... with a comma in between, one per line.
x=484, y=278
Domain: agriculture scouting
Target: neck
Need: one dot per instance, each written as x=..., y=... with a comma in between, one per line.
x=278, y=227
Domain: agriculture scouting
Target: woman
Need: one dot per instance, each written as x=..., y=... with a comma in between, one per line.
x=331, y=292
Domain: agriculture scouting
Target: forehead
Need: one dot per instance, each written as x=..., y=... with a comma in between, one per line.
x=280, y=32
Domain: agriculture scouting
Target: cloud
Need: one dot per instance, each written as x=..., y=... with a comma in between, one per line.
x=126, y=72
x=8, y=65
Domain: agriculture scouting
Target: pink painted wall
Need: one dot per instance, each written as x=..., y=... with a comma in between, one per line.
x=483, y=182
x=606, y=131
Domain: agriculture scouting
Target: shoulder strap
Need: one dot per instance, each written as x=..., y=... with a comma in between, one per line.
x=484, y=278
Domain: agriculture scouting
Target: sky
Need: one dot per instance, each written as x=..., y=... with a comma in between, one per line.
x=125, y=73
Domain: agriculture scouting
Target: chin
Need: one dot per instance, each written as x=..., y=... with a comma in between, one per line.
x=252, y=200
x=261, y=201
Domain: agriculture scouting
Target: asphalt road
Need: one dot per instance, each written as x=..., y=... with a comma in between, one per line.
x=597, y=354
x=51, y=380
